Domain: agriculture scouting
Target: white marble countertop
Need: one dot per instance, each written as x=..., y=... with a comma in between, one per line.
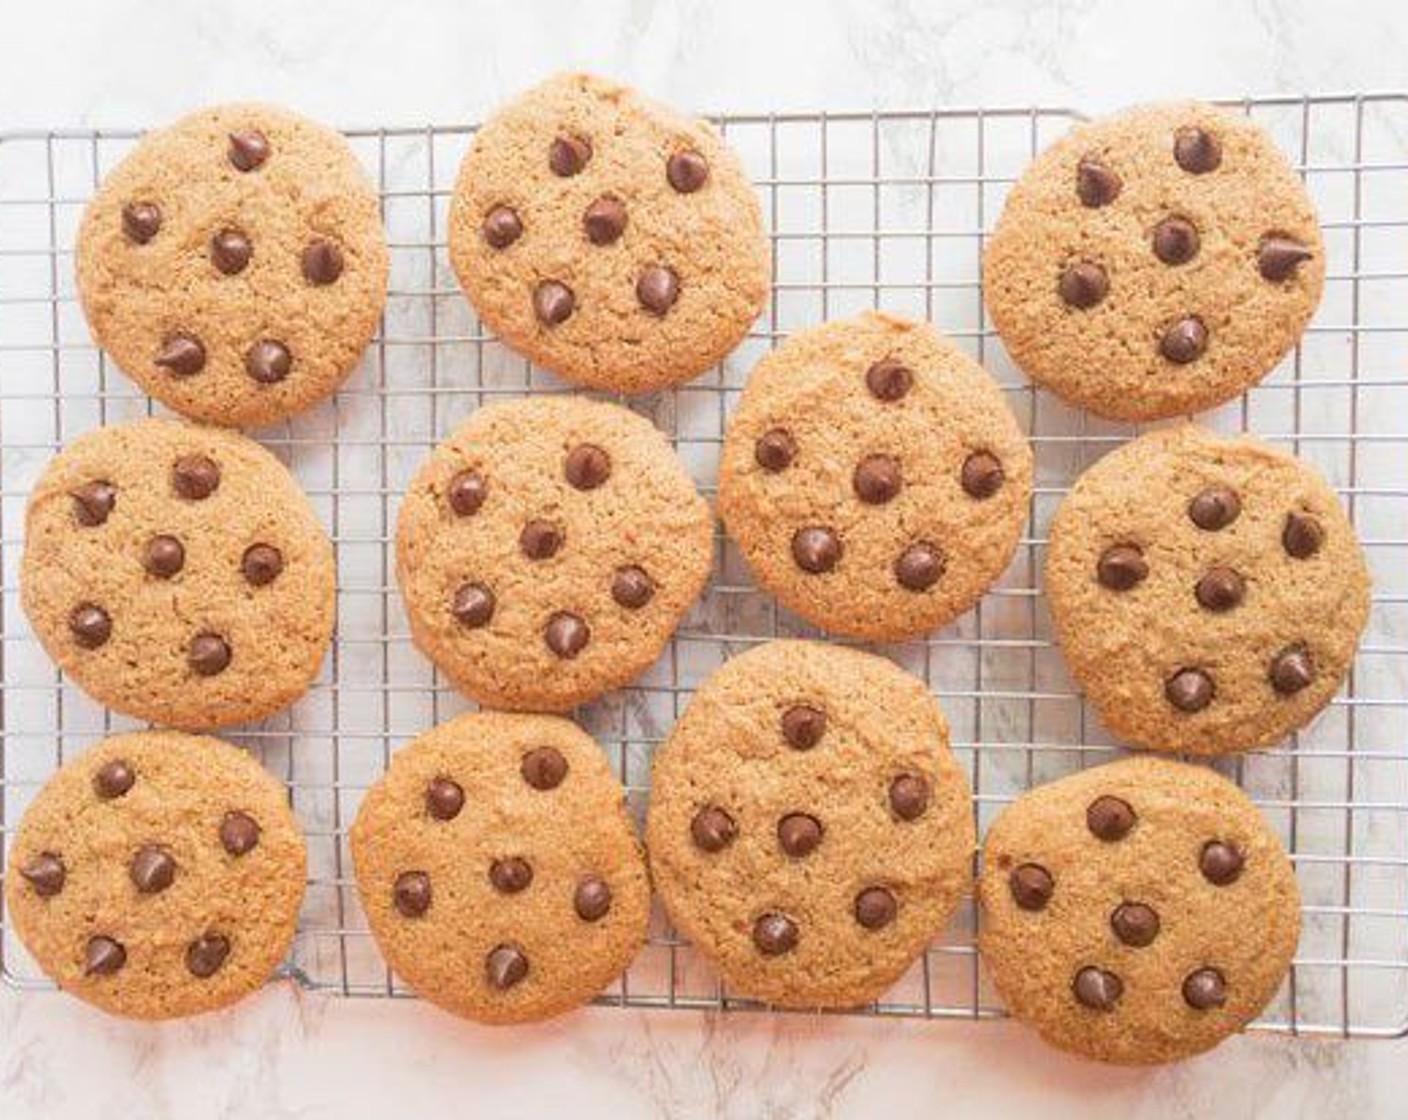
x=285, y=1053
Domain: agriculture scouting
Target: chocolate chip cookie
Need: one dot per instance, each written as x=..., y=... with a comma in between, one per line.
x=158, y=875
x=1156, y=262
x=607, y=238
x=234, y=264
x=178, y=574
x=500, y=873
x=1137, y=912
x=809, y=830
x=1208, y=592
x=547, y=550
x=874, y=478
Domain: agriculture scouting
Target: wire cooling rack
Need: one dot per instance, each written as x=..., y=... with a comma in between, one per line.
x=884, y=210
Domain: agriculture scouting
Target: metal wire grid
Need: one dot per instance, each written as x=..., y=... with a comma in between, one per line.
x=882, y=210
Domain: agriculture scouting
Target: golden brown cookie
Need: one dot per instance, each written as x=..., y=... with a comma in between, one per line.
x=178, y=574
x=1155, y=262
x=158, y=875
x=1208, y=592
x=809, y=830
x=500, y=873
x=1137, y=912
x=548, y=549
x=234, y=264
x=874, y=478
x=609, y=239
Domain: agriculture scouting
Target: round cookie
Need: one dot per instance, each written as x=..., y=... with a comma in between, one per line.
x=158, y=875
x=1156, y=262
x=548, y=549
x=234, y=264
x=499, y=871
x=1207, y=592
x=1138, y=912
x=607, y=238
x=178, y=574
x=809, y=830
x=874, y=478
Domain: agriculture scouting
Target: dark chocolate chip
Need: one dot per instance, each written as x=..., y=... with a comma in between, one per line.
x=511, y=875
x=631, y=587
x=876, y=479
x=1220, y=589
x=322, y=262
x=113, y=779
x=1096, y=184
x=712, y=829
x=195, y=477
x=540, y=540
x=566, y=634
x=45, y=873
x=248, y=149
x=1277, y=258
x=1109, y=818
x=875, y=908
x=1215, y=508
x=543, y=768
x=208, y=654
x=473, y=605
x=1292, y=670
x=775, y=450
x=803, y=726
x=567, y=155
x=93, y=502
x=1176, y=241
x=505, y=966
x=605, y=220
x=1302, y=536
x=230, y=251
x=1083, y=285
x=816, y=549
x=181, y=354
x=1184, y=341
x=466, y=493
x=798, y=834
x=411, y=893
x=1189, y=690
x=687, y=171
x=444, y=798
x=909, y=796
x=1097, y=989
x=103, y=957
x=1196, y=150
x=553, y=302
x=268, y=361
x=889, y=379
x=982, y=475
x=1031, y=886
x=919, y=567
x=206, y=955
x=90, y=625
x=164, y=556
x=1121, y=566
x=591, y=899
x=1220, y=863
x=239, y=833
x=1204, y=989
x=1135, y=924
x=502, y=227
x=657, y=289
x=261, y=564
x=141, y=221
x=152, y=869
x=774, y=934
x=587, y=466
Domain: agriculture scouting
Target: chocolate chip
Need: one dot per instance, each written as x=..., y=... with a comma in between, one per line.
x=889, y=379
x=1189, y=690
x=712, y=829
x=587, y=466
x=1277, y=258
x=803, y=726
x=1292, y=670
x=182, y=354
x=876, y=479
x=268, y=361
x=919, y=567
x=816, y=549
x=875, y=908
x=466, y=493
x=93, y=502
x=774, y=934
x=230, y=251
x=1220, y=863
x=505, y=966
x=631, y=587
x=799, y=834
x=1184, y=341
x=45, y=873
x=103, y=957
x=982, y=475
x=1097, y=989
x=567, y=155
x=502, y=227
x=473, y=605
x=1109, y=818
x=657, y=289
x=1204, y=989
x=591, y=899
x=239, y=833
x=322, y=262
x=1196, y=150
x=113, y=779
x=1175, y=241
x=152, y=869
x=553, y=302
x=163, y=557
x=90, y=625
x=543, y=768
x=775, y=450
x=1031, y=886
x=1135, y=924
x=511, y=875
x=1215, y=508
x=909, y=796
x=1121, y=566
x=604, y=221
x=1302, y=536
x=206, y=955
x=195, y=477
x=566, y=634
x=687, y=171
x=208, y=654
x=411, y=893
x=540, y=540
x=444, y=798
x=261, y=564
x=1083, y=285
x=248, y=149
x=1220, y=589
x=1096, y=184
x=141, y=221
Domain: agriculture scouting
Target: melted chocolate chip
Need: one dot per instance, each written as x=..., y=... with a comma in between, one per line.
x=1204, y=989
x=93, y=502
x=1220, y=589
x=1109, y=818
x=444, y=798
x=1096, y=184
x=631, y=587
x=1121, y=566
x=502, y=227
x=566, y=635
x=1196, y=150
x=268, y=361
x=657, y=289
x=1083, y=285
x=1277, y=258
x=587, y=466
x=1031, y=886
x=152, y=869
x=163, y=557
x=410, y=894
x=1135, y=924
x=1302, y=536
x=919, y=567
x=540, y=540
x=90, y=625
x=466, y=493
x=506, y=966
x=113, y=779
x=712, y=829
x=239, y=833
x=206, y=955
x=182, y=355
x=909, y=796
x=816, y=549
x=45, y=873
x=889, y=379
x=553, y=302
x=473, y=605
x=248, y=149
x=876, y=479
x=1189, y=690
x=803, y=726
x=1097, y=989
x=982, y=475
x=567, y=155
x=261, y=564
x=798, y=834
x=230, y=251
x=141, y=221
x=604, y=221
x=322, y=262
x=875, y=908
x=103, y=956
x=775, y=450
x=511, y=875
x=1292, y=670
x=591, y=899
x=208, y=654
x=1175, y=241
x=1220, y=863
x=195, y=477
x=1215, y=508
x=1184, y=341
x=687, y=171
x=543, y=768
x=774, y=934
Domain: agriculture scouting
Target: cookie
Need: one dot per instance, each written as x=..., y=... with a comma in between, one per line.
x=809, y=830
x=1154, y=263
x=234, y=264
x=158, y=875
x=547, y=550
x=1137, y=912
x=1208, y=592
x=499, y=871
x=178, y=574
x=874, y=478
x=607, y=238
